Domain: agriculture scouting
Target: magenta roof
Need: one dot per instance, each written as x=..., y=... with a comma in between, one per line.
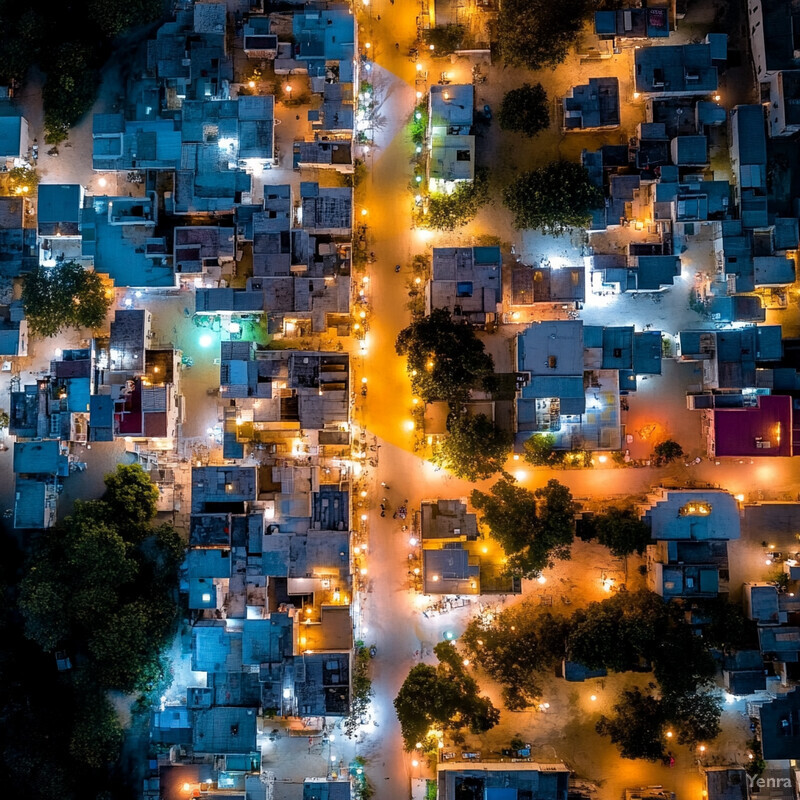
x=738, y=432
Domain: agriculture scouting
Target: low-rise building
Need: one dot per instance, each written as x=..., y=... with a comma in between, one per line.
x=687, y=69
x=507, y=779
x=592, y=106
x=467, y=281
x=452, y=145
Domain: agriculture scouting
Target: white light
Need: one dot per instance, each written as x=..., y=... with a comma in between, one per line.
x=331, y=738
x=102, y=181
x=412, y=541
x=541, y=579
x=59, y=352
x=205, y=340
x=128, y=302
x=137, y=293
x=234, y=327
x=206, y=597
x=287, y=693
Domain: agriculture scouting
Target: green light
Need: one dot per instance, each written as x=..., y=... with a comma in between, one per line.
x=419, y=179
x=418, y=115
x=206, y=339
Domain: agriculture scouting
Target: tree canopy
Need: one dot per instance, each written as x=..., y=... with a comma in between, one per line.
x=552, y=198
x=533, y=528
x=131, y=495
x=64, y=296
x=445, y=358
x=525, y=110
x=540, y=450
x=621, y=530
x=474, y=449
x=105, y=583
x=444, y=696
x=537, y=33
x=446, y=212
x=638, y=726
x=668, y=451
x=515, y=648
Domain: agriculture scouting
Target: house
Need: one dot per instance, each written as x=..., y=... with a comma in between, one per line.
x=687, y=69
x=452, y=145
x=543, y=284
x=743, y=672
x=772, y=24
x=118, y=238
x=223, y=488
x=327, y=789
x=467, y=281
x=203, y=253
x=58, y=210
x=39, y=458
x=632, y=23
x=572, y=379
x=689, y=151
x=259, y=42
x=502, y=779
x=726, y=783
x=13, y=331
x=325, y=44
x=632, y=273
x=763, y=425
x=130, y=334
x=778, y=728
x=326, y=210
x=18, y=251
x=35, y=503
x=324, y=154
x=592, y=106
x=733, y=359
x=748, y=151
x=698, y=515
x=13, y=139
x=281, y=396
x=224, y=730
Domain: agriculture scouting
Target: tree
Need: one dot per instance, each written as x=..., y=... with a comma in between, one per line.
x=474, y=449
x=97, y=735
x=445, y=358
x=619, y=632
x=446, y=212
x=63, y=296
x=637, y=726
x=442, y=697
x=668, y=451
x=533, y=528
x=525, y=110
x=23, y=180
x=537, y=33
x=622, y=531
x=696, y=717
x=131, y=495
x=515, y=647
x=552, y=198
x=446, y=38
x=541, y=452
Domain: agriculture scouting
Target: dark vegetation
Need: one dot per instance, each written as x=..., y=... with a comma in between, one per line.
x=70, y=42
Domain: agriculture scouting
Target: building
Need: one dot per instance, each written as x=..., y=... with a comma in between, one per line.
x=748, y=151
x=648, y=22
x=592, y=106
x=573, y=377
x=18, y=235
x=452, y=145
x=633, y=273
x=13, y=331
x=687, y=69
x=691, y=529
x=13, y=140
x=778, y=726
x=58, y=211
x=763, y=425
x=542, y=284
x=772, y=28
x=467, y=281
x=259, y=42
x=506, y=779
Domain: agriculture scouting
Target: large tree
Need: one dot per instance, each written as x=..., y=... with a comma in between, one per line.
x=637, y=727
x=63, y=296
x=516, y=648
x=540, y=450
x=131, y=495
x=444, y=696
x=106, y=583
x=538, y=33
x=446, y=212
x=534, y=528
x=525, y=110
x=552, y=198
x=474, y=449
x=621, y=530
x=445, y=358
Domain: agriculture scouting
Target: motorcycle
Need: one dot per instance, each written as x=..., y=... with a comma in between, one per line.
x=373, y=651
